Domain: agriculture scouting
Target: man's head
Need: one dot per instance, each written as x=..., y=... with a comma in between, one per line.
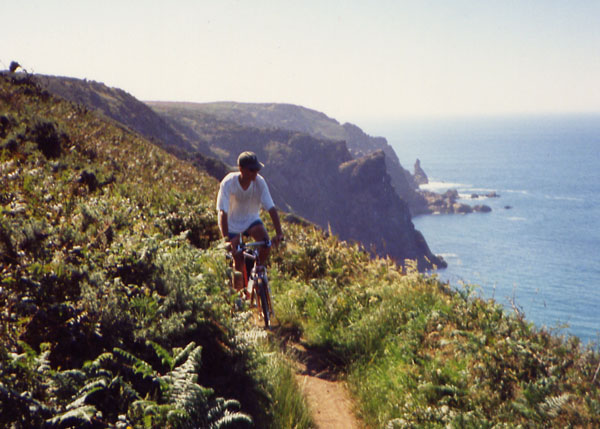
x=248, y=160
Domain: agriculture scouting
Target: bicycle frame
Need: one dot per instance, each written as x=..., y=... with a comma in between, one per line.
x=256, y=282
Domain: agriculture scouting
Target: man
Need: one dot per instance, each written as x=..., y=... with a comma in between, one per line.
x=241, y=194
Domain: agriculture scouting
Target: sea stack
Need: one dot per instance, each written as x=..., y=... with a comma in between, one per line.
x=419, y=175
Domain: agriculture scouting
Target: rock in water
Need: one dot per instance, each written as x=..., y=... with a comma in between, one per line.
x=419, y=175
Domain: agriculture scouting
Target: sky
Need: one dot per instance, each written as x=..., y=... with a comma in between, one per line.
x=353, y=60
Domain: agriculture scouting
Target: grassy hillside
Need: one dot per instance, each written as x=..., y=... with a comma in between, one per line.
x=419, y=354
x=120, y=106
x=115, y=307
x=267, y=115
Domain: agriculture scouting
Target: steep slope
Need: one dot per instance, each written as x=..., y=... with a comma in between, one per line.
x=111, y=298
x=119, y=105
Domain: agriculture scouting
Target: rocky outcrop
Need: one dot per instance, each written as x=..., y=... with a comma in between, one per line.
x=366, y=193
x=419, y=175
x=447, y=203
x=492, y=194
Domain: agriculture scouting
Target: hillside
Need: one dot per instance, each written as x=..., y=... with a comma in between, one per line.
x=115, y=104
x=315, y=189
x=115, y=308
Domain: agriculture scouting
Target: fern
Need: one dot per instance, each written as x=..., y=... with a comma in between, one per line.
x=183, y=390
x=147, y=407
x=43, y=362
x=64, y=383
x=84, y=394
x=76, y=417
x=230, y=419
x=15, y=405
x=225, y=413
x=191, y=399
x=163, y=354
x=553, y=405
x=139, y=366
x=184, y=354
x=100, y=362
x=125, y=390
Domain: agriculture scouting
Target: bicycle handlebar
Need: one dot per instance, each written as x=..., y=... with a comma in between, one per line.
x=266, y=243
x=243, y=246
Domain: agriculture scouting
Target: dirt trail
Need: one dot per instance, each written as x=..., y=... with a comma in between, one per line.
x=326, y=395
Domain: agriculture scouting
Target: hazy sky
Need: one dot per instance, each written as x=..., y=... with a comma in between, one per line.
x=352, y=60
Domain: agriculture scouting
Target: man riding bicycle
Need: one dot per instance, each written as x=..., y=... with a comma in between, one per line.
x=241, y=194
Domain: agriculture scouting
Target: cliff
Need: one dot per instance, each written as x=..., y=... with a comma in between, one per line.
x=374, y=201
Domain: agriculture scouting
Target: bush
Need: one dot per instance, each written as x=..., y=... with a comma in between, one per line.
x=48, y=139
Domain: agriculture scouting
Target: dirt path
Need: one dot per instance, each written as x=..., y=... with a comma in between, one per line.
x=327, y=396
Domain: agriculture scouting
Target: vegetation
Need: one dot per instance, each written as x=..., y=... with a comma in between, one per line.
x=115, y=307
x=115, y=310
x=420, y=354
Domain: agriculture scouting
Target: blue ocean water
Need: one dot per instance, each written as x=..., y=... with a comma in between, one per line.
x=538, y=249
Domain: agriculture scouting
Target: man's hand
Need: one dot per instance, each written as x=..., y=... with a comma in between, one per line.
x=277, y=239
x=226, y=244
x=234, y=243
x=277, y=224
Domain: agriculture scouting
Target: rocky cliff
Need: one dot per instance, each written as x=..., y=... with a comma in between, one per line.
x=374, y=201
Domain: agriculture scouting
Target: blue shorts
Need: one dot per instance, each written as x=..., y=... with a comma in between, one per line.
x=246, y=233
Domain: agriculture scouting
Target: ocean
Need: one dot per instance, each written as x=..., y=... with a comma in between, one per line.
x=538, y=249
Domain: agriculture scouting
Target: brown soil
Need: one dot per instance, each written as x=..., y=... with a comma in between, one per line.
x=319, y=380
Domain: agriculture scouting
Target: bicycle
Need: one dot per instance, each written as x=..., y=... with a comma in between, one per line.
x=255, y=280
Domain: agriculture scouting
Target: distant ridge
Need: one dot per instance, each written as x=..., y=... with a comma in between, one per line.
x=317, y=124
x=118, y=105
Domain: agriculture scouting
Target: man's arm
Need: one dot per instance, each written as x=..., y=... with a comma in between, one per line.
x=277, y=224
x=223, y=225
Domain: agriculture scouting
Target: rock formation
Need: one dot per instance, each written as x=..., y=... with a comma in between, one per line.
x=367, y=194
x=419, y=175
x=447, y=203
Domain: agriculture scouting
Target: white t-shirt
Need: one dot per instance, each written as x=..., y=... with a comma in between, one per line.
x=243, y=206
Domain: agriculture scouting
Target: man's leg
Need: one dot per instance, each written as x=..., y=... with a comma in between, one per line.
x=259, y=233
x=238, y=264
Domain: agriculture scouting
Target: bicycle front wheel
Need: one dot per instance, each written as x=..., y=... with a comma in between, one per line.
x=263, y=291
